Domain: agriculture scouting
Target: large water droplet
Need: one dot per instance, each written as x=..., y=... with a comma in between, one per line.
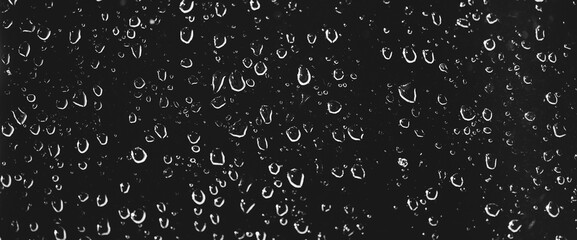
x=490, y=161
x=492, y=210
x=186, y=6
x=138, y=155
x=20, y=116
x=408, y=93
x=296, y=178
x=334, y=107
x=236, y=81
x=293, y=133
x=60, y=233
x=552, y=209
x=514, y=225
x=467, y=113
x=217, y=157
x=303, y=76
x=198, y=196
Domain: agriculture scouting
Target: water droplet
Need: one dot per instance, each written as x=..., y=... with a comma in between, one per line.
x=247, y=62
x=186, y=35
x=514, y=225
x=274, y=168
x=83, y=196
x=551, y=98
x=487, y=114
x=186, y=63
x=82, y=145
x=219, y=41
x=552, y=209
x=79, y=99
x=260, y=68
x=358, y=171
x=134, y=22
x=101, y=200
x=467, y=113
x=403, y=162
x=43, y=33
x=300, y=227
x=245, y=206
x=457, y=180
x=20, y=116
x=160, y=131
x=331, y=35
x=464, y=23
x=293, y=134
x=236, y=81
x=24, y=49
x=492, y=209
x=296, y=178
x=6, y=180
x=74, y=36
x=413, y=204
x=198, y=196
x=303, y=76
x=220, y=9
x=311, y=38
x=262, y=143
x=490, y=161
x=491, y=18
x=267, y=192
x=442, y=99
x=199, y=227
x=355, y=132
x=408, y=93
x=7, y=129
x=334, y=107
x=60, y=233
x=437, y=20
x=489, y=44
x=33, y=226
x=281, y=210
x=266, y=114
x=97, y=90
x=559, y=130
x=431, y=194
x=219, y=201
x=124, y=187
x=138, y=216
x=443, y=67
x=539, y=33
x=254, y=5
x=410, y=55
x=124, y=213
x=103, y=229
x=186, y=6
x=218, y=81
x=404, y=122
x=138, y=155
x=387, y=53
x=281, y=53
x=428, y=56
x=193, y=137
x=217, y=157
x=530, y=116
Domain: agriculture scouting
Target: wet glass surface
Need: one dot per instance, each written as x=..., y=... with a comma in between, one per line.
x=256, y=119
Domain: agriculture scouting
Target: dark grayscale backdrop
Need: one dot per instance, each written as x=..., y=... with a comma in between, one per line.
x=274, y=119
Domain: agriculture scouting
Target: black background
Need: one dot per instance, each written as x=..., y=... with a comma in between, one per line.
x=374, y=207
